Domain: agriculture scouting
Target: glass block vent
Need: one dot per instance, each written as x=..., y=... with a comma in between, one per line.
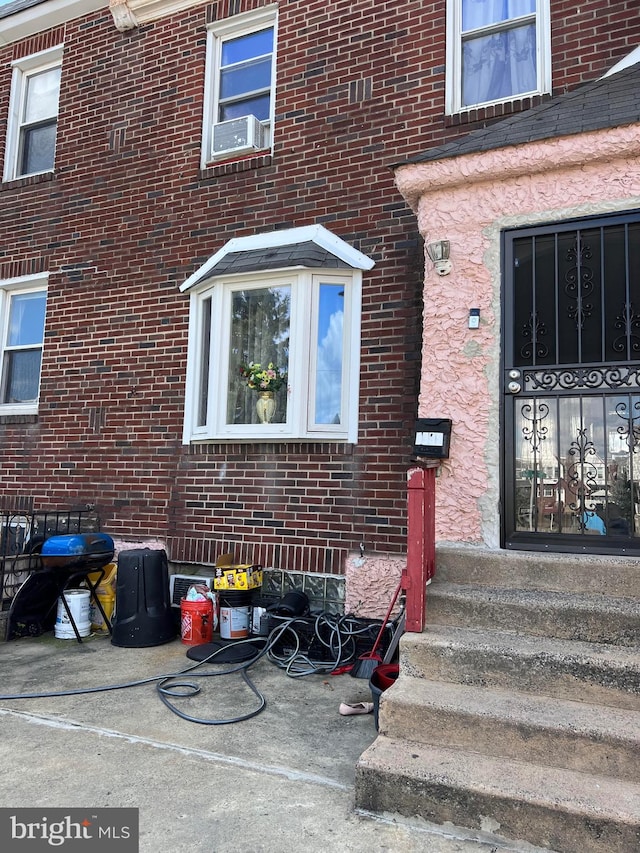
x=326, y=593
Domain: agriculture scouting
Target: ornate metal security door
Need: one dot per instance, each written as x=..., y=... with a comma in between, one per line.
x=572, y=386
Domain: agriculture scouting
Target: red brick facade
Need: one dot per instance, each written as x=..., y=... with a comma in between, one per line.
x=128, y=215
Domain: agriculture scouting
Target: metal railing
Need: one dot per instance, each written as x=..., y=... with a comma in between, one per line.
x=23, y=531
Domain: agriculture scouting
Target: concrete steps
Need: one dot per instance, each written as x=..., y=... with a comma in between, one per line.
x=573, y=735
x=517, y=711
x=565, y=669
x=570, y=616
x=557, y=809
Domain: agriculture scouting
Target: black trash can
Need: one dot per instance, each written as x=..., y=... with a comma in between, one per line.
x=143, y=607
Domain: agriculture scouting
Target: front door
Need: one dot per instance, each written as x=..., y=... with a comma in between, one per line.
x=571, y=386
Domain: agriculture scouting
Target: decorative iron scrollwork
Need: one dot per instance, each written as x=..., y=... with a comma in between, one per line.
x=572, y=378
x=535, y=432
x=629, y=322
x=630, y=430
x=581, y=475
x=532, y=331
x=579, y=284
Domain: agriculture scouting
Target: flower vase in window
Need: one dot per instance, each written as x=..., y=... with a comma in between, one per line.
x=266, y=381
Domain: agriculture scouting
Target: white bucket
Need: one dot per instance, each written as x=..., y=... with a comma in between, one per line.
x=234, y=622
x=78, y=603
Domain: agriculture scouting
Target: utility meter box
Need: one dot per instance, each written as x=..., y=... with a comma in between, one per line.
x=432, y=439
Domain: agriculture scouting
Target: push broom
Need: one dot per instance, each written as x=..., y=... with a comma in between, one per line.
x=366, y=663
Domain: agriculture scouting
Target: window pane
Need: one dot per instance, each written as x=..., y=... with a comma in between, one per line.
x=248, y=77
x=259, y=107
x=259, y=334
x=38, y=149
x=21, y=376
x=26, y=319
x=481, y=13
x=247, y=47
x=203, y=399
x=330, y=355
x=42, y=94
x=499, y=66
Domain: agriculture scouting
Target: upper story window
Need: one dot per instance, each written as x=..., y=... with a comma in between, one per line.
x=22, y=315
x=239, y=86
x=33, y=115
x=294, y=333
x=497, y=50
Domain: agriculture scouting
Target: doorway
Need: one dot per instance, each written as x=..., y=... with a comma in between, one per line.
x=571, y=386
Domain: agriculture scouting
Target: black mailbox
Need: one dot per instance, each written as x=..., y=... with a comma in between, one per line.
x=433, y=436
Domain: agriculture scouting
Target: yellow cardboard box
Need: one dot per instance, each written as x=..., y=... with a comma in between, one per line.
x=243, y=576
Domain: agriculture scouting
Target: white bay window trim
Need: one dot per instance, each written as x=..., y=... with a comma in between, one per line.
x=209, y=360
x=319, y=341
x=456, y=36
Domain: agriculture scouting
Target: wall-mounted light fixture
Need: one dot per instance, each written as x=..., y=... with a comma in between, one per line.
x=439, y=255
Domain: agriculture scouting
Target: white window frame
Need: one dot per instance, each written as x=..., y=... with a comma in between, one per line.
x=9, y=288
x=217, y=33
x=23, y=69
x=453, y=87
x=304, y=284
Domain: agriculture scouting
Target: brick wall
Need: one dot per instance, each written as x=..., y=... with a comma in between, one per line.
x=128, y=216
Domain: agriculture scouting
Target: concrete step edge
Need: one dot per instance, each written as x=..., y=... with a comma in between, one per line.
x=564, y=790
x=561, y=733
x=544, y=599
x=599, y=673
x=556, y=809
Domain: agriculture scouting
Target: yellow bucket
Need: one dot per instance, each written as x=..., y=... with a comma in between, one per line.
x=106, y=593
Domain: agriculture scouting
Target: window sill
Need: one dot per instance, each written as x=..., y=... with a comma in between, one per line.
x=494, y=111
x=259, y=445
x=27, y=181
x=233, y=167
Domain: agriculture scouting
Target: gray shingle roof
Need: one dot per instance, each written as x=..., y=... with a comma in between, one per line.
x=612, y=101
x=307, y=254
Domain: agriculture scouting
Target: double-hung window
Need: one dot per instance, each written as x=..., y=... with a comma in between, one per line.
x=292, y=333
x=22, y=316
x=497, y=50
x=240, y=85
x=33, y=114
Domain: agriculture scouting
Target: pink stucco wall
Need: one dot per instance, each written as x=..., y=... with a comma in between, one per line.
x=469, y=200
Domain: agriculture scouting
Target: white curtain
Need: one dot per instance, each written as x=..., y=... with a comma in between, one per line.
x=497, y=65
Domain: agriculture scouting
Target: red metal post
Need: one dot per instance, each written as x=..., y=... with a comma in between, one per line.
x=421, y=541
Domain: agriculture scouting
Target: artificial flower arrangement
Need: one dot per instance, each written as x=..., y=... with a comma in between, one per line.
x=260, y=378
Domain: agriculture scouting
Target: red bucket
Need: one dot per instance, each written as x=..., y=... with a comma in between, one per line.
x=196, y=621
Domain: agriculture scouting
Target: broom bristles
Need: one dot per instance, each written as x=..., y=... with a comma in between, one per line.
x=364, y=667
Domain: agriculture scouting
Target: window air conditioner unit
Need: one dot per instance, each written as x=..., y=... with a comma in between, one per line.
x=237, y=135
x=179, y=586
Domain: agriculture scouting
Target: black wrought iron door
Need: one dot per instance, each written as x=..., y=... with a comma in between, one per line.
x=572, y=386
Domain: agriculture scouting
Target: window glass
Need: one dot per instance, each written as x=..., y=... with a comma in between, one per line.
x=330, y=354
x=248, y=77
x=38, y=149
x=204, y=367
x=499, y=65
x=481, y=13
x=26, y=319
x=247, y=47
x=42, y=95
x=23, y=348
x=260, y=331
x=244, y=86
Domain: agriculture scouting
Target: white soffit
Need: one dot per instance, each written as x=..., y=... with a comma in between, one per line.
x=43, y=16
